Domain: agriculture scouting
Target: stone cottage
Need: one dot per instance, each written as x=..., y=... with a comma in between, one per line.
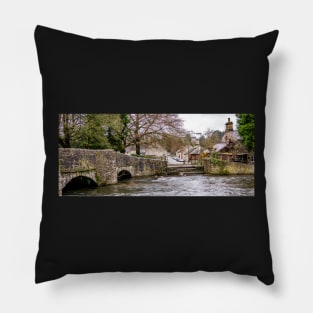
x=231, y=148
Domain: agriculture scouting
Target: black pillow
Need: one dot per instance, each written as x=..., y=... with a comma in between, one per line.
x=84, y=78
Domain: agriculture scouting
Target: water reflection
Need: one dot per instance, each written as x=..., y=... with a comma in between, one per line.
x=197, y=185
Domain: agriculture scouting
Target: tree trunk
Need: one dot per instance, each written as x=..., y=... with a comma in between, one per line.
x=138, y=147
x=66, y=131
x=137, y=138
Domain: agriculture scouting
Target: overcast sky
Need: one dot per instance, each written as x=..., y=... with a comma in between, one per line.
x=199, y=123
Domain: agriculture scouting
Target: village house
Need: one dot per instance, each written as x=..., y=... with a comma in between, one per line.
x=193, y=155
x=231, y=148
x=182, y=153
x=196, y=154
x=190, y=154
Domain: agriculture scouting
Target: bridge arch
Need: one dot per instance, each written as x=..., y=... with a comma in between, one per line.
x=123, y=174
x=76, y=180
x=79, y=182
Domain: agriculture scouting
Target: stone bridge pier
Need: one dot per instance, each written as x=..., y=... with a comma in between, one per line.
x=103, y=166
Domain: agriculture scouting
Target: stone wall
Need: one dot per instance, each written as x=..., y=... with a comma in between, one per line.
x=219, y=167
x=106, y=164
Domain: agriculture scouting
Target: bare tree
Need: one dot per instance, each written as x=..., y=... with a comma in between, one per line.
x=148, y=128
x=211, y=138
x=69, y=126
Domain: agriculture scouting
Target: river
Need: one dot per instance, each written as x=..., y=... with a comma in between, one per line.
x=197, y=185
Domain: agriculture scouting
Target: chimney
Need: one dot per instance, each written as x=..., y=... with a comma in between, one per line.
x=229, y=126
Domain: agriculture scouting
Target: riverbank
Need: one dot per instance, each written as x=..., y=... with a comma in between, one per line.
x=220, y=167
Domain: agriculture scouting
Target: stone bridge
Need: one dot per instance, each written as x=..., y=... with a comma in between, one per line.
x=103, y=167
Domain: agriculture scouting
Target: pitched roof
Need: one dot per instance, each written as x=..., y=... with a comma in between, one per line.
x=195, y=150
x=219, y=146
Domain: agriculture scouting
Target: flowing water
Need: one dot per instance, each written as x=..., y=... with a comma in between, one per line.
x=197, y=185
